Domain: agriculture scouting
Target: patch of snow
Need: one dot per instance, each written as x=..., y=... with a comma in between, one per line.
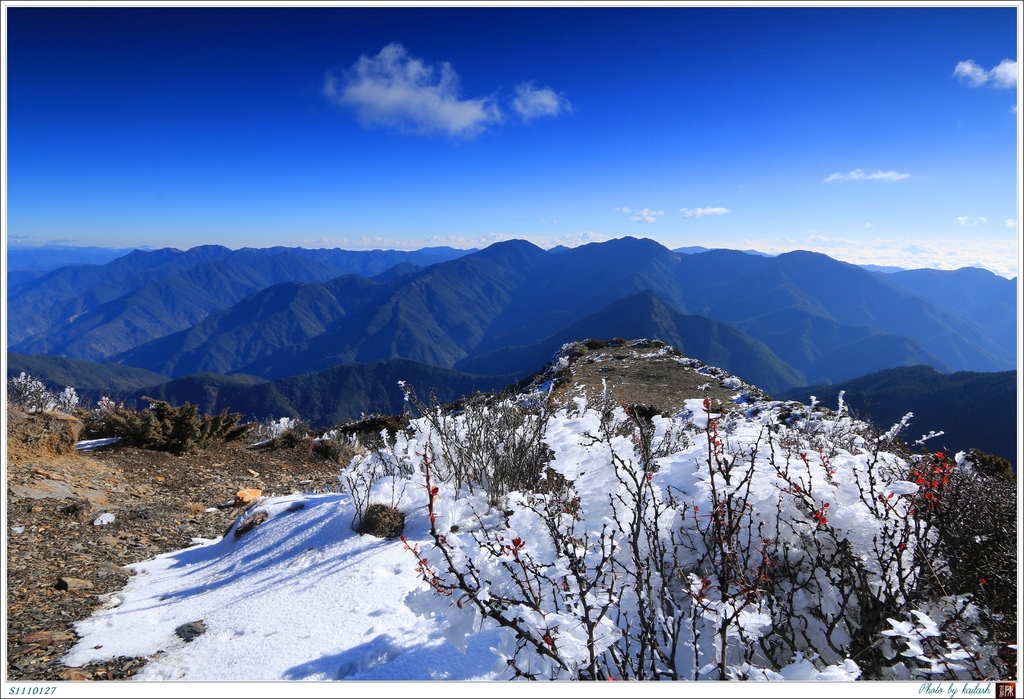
x=92, y=444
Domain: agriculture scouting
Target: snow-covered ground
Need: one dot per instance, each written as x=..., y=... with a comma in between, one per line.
x=301, y=597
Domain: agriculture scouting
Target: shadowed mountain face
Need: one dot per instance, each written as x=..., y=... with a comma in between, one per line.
x=788, y=300
x=645, y=315
x=777, y=321
x=269, y=320
x=977, y=294
x=97, y=311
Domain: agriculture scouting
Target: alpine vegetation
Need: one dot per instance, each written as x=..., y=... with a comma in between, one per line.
x=32, y=396
x=738, y=538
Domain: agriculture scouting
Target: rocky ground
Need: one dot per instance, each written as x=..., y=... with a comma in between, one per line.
x=61, y=564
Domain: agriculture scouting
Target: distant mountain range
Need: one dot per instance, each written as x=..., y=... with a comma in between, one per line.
x=96, y=311
x=781, y=322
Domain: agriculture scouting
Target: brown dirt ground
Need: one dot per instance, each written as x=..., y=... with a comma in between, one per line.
x=640, y=374
x=160, y=503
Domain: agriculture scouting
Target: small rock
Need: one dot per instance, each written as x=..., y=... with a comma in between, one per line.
x=75, y=675
x=80, y=510
x=246, y=496
x=104, y=519
x=45, y=638
x=109, y=540
x=72, y=584
x=189, y=632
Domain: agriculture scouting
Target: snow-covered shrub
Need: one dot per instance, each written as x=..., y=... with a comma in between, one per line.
x=494, y=445
x=741, y=541
x=336, y=446
x=32, y=396
x=263, y=431
x=378, y=476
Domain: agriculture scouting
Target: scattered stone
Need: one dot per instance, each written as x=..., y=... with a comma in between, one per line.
x=72, y=584
x=45, y=638
x=104, y=519
x=246, y=496
x=109, y=540
x=80, y=510
x=191, y=631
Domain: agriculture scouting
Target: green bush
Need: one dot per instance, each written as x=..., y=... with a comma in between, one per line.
x=164, y=427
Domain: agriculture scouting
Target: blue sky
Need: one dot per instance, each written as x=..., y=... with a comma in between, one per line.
x=883, y=135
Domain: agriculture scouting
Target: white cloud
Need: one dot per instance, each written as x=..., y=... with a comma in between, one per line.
x=859, y=174
x=997, y=254
x=1003, y=75
x=623, y=209
x=704, y=211
x=1011, y=223
x=971, y=220
x=395, y=90
x=869, y=225
x=531, y=102
x=645, y=215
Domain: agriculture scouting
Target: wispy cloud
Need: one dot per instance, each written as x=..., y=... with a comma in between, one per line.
x=1011, y=223
x=646, y=215
x=704, y=211
x=531, y=102
x=396, y=90
x=1003, y=75
x=859, y=174
x=971, y=220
